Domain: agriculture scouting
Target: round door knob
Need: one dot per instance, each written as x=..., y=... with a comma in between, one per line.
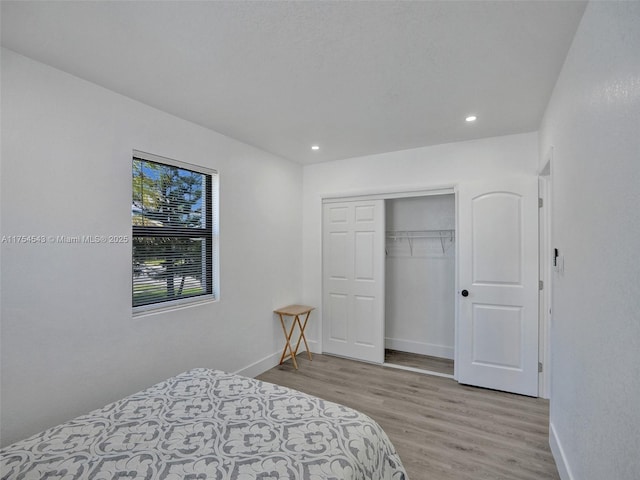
x=464, y=293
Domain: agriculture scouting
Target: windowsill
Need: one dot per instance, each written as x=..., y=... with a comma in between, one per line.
x=150, y=310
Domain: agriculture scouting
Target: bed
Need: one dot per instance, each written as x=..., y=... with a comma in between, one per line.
x=205, y=424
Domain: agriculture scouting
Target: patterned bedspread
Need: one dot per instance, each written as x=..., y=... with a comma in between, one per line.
x=205, y=424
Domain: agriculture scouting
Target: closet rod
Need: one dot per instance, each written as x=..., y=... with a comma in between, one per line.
x=442, y=235
x=400, y=234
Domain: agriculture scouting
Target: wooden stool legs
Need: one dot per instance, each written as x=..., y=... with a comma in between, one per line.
x=289, y=351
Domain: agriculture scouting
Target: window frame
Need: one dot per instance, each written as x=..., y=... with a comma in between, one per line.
x=210, y=234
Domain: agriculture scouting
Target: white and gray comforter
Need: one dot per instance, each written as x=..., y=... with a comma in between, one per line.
x=205, y=424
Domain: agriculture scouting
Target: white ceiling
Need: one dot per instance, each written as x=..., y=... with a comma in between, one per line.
x=355, y=78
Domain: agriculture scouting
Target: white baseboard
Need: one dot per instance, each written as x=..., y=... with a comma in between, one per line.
x=261, y=366
x=558, y=454
x=256, y=368
x=420, y=348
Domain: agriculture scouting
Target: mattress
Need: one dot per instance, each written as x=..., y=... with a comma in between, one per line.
x=207, y=424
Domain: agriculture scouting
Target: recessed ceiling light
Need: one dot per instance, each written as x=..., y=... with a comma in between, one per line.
x=471, y=118
x=315, y=147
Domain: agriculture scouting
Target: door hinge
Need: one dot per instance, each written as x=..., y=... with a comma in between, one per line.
x=539, y=203
x=539, y=367
x=540, y=284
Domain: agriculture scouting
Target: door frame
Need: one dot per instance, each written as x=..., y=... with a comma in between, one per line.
x=545, y=256
x=390, y=195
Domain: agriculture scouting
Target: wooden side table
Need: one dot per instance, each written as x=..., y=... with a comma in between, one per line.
x=294, y=311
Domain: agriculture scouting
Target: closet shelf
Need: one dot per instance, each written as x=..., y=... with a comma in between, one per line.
x=401, y=234
x=410, y=235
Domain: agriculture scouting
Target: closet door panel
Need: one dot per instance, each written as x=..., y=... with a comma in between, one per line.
x=336, y=316
x=364, y=314
x=337, y=255
x=494, y=327
x=497, y=259
x=353, y=279
x=365, y=256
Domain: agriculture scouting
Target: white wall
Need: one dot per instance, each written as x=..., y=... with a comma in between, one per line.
x=593, y=124
x=415, y=169
x=420, y=277
x=69, y=342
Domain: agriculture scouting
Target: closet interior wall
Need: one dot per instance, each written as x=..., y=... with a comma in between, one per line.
x=420, y=275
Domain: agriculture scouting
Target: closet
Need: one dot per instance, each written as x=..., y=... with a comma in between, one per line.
x=420, y=255
x=436, y=276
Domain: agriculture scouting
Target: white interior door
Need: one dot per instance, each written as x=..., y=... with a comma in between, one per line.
x=498, y=285
x=353, y=280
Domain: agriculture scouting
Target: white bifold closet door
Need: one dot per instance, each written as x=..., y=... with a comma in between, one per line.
x=353, y=279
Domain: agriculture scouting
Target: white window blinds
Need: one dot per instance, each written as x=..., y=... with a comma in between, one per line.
x=174, y=231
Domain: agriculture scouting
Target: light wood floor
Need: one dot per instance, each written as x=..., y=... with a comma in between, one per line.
x=424, y=362
x=441, y=429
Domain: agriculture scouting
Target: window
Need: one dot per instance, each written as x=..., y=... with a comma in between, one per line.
x=174, y=231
